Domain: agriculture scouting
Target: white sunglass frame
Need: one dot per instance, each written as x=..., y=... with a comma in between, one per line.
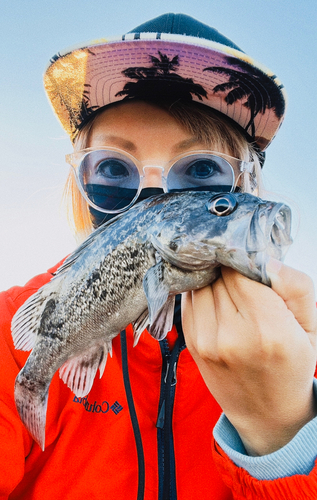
x=76, y=158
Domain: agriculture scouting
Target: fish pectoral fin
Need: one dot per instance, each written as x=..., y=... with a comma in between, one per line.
x=163, y=322
x=160, y=304
x=155, y=289
x=139, y=325
x=78, y=373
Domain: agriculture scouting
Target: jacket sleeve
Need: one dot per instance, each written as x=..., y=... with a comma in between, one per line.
x=289, y=473
x=15, y=443
x=246, y=487
x=296, y=457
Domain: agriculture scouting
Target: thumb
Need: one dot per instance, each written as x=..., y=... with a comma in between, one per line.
x=297, y=291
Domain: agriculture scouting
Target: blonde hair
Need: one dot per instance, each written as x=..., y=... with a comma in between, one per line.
x=205, y=124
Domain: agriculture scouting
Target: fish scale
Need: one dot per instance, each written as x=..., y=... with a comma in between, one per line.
x=129, y=271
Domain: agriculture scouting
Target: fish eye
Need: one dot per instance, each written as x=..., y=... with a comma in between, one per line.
x=222, y=204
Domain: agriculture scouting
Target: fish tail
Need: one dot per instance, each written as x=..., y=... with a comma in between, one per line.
x=31, y=403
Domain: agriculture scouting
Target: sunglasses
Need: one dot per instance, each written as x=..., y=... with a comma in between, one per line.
x=111, y=180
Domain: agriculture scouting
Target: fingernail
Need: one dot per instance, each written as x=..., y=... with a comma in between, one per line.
x=273, y=266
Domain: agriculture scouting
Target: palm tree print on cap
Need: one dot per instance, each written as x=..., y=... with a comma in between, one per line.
x=260, y=90
x=160, y=82
x=85, y=110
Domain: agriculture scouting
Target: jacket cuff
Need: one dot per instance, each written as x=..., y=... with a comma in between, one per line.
x=244, y=486
x=296, y=457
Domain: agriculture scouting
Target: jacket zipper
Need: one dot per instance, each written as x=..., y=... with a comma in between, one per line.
x=166, y=455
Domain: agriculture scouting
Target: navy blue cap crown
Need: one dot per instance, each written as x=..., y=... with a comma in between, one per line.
x=181, y=24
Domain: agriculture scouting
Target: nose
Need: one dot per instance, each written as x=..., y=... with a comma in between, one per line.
x=152, y=176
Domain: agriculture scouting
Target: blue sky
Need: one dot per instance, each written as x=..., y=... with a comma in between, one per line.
x=34, y=233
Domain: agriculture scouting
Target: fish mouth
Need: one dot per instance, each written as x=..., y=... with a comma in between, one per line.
x=281, y=229
x=269, y=236
x=270, y=230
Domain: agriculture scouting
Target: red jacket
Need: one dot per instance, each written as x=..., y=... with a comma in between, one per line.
x=91, y=449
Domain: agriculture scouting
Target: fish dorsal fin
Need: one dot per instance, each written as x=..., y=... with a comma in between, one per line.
x=160, y=305
x=26, y=321
x=79, y=372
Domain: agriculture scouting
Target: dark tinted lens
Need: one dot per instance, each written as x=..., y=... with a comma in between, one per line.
x=110, y=197
x=99, y=218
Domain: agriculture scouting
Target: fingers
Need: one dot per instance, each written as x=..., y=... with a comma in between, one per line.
x=297, y=291
x=187, y=312
x=290, y=288
x=199, y=320
x=251, y=299
x=213, y=315
x=206, y=314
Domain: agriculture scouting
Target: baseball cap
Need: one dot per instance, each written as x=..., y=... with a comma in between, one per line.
x=172, y=57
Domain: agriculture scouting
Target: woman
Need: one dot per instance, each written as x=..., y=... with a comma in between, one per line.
x=144, y=105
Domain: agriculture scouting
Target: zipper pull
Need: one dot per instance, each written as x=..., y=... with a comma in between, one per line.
x=166, y=374
x=174, y=379
x=161, y=416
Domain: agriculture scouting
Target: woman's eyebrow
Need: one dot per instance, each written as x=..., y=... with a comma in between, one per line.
x=187, y=143
x=116, y=140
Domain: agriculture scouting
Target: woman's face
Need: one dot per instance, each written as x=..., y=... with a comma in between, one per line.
x=145, y=131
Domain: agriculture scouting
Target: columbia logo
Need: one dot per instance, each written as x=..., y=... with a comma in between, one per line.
x=96, y=407
x=116, y=408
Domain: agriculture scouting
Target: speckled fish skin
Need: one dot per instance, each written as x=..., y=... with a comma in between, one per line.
x=129, y=271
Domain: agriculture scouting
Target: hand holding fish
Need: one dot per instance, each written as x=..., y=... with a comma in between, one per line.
x=255, y=347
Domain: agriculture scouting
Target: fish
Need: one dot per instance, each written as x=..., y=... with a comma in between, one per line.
x=129, y=270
